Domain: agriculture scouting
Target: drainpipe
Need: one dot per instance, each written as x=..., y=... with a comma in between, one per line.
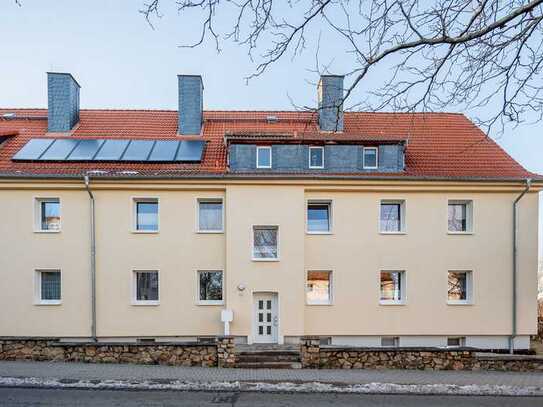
x=515, y=250
x=92, y=257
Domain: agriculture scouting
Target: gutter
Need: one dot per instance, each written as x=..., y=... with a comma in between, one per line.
x=92, y=257
x=515, y=266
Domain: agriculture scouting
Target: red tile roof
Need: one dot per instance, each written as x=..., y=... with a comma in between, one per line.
x=439, y=145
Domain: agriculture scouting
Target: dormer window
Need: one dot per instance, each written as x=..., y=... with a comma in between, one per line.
x=263, y=157
x=316, y=157
x=370, y=158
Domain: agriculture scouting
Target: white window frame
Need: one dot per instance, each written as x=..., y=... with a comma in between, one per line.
x=268, y=259
x=316, y=166
x=469, y=216
x=37, y=214
x=403, y=211
x=469, y=288
x=37, y=287
x=134, y=284
x=366, y=167
x=208, y=302
x=331, y=289
x=144, y=199
x=403, y=287
x=461, y=342
x=328, y=202
x=395, y=341
x=257, y=161
x=209, y=200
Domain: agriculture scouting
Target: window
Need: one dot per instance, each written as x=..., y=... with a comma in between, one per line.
x=210, y=287
x=460, y=216
x=316, y=157
x=146, y=215
x=48, y=287
x=392, y=217
x=146, y=287
x=318, y=217
x=390, y=341
x=319, y=287
x=392, y=287
x=370, y=158
x=210, y=215
x=48, y=215
x=459, y=287
x=265, y=243
x=456, y=341
x=263, y=157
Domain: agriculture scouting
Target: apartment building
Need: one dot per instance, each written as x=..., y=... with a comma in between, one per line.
x=367, y=229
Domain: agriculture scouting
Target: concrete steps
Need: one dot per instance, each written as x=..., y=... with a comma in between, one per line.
x=267, y=357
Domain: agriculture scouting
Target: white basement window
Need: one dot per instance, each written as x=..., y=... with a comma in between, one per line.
x=370, y=158
x=390, y=341
x=146, y=215
x=459, y=287
x=392, y=217
x=48, y=287
x=265, y=243
x=456, y=341
x=319, y=288
x=210, y=216
x=264, y=157
x=392, y=287
x=47, y=215
x=319, y=217
x=460, y=217
x=316, y=157
x=146, y=288
x=210, y=287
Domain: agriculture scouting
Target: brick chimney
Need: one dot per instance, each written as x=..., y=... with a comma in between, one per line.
x=330, y=96
x=62, y=102
x=191, y=104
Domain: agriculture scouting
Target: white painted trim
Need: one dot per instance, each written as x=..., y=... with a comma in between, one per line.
x=330, y=203
x=316, y=167
x=331, y=282
x=209, y=200
x=403, y=287
x=265, y=259
x=209, y=302
x=364, y=166
x=403, y=217
x=37, y=287
x=263, y=148
x=150, y=199
x=134, y=288
x=37, y=200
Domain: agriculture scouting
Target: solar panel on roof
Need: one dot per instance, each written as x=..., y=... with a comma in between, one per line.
x=190, y=151
x=85, y=150
x=111, y=150
x=33, y=149
x=164, y=150
x=59, y=150
x=138, y=150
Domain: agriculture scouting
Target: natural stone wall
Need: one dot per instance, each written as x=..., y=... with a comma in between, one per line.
x=226, y=351
x=168, y=353
x=329, y=357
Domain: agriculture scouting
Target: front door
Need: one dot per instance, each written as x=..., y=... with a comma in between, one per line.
x=266, y=320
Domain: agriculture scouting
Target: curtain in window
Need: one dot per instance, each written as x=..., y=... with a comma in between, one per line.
x=265, y=243
x=50, y=215
x=210, y=286
x=390, y=218
x=391, y=286
x=210, y=216
x=147, y=286
x=50, y=285
x=318, y=287
x=457, y=217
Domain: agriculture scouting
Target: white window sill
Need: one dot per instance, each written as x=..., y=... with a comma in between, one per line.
x=449, y=232
x=460, y=302
x=392, y=233
x=46, y=231
x=370, y=168
x=311, y=232
x=263, y=168
x=210, y=232
x=319, y=304
x=145, y=303
x=386, y=302
x=317, y=168
x=210, y=302
x=145, y=232
x=265, y=259
x=50, y=302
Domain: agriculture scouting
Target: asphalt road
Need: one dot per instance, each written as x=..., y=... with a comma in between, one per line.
x=98, y=398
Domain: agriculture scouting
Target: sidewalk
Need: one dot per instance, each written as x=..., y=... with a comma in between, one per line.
x=115, y=376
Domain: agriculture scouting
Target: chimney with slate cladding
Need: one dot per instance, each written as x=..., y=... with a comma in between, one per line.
x=62, y=102
x=191, y=104
x=330, y=97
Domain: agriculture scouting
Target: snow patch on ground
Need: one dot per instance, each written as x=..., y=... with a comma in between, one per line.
x=310, y=387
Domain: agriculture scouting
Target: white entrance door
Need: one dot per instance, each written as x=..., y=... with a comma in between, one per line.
x=266, y=319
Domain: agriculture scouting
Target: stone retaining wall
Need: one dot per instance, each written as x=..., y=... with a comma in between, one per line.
x=315, y=356
x=219, y=353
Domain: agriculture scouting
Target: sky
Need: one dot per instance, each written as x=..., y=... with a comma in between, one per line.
x=121, y=62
